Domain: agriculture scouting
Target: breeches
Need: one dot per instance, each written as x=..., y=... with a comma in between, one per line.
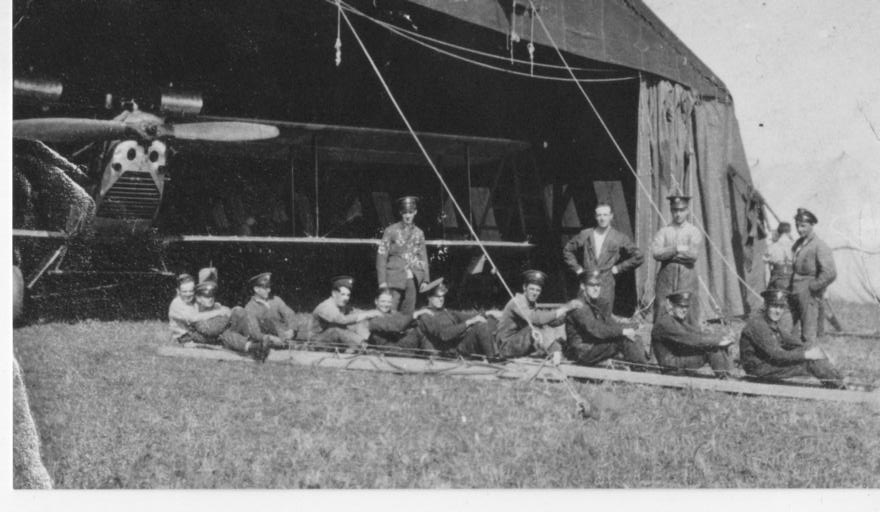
x=333, y=335
x=804, y=309
x=404, y=300
x=591, y=354
x=693, y=357
x=822, y=369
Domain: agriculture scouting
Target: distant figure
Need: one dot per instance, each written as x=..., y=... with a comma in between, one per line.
x=677, y=247
x=334, y=320
x=768, y=352
x=677, y=344
x=592, y=335
x=394, y=329
x=234, y=329
x=402, y=259
x=452, y=331
x=779, y=257
x=515, y=337
x=275, y=318
x=814, y=270
x=603, y=249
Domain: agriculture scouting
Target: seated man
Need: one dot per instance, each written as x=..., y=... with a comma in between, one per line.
x=592, y=335
x=451, y=331
x=394, y=329
x=768, y=352
x=334, y=320
x=677, y=344
x=515, y=337
x=274, y=317
x=183, y=312
x=234, y=329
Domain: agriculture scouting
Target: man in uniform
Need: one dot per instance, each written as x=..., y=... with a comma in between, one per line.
x=234, y=329
x=779, y=258
x=814, y=270
x=394, y=329
x=768, y=352
x=676, y=248
x=677, y=344
x=592, y=335
x=603, y=249
x=452, y=331
x=515, y=337
x=183, y=311
x=402, y=259
x=334, y=320
x=276, y=319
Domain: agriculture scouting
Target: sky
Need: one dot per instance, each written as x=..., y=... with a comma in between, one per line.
x=804, y=74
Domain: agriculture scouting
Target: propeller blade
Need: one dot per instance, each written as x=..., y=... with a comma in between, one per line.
x=224, y=131
x=68, y=129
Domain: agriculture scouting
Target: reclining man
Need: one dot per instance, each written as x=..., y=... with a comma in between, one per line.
x=592, y=334
x=334, y=320
x=235, y=329
x=515, y=337
x=394, y=329
x=768, y=352
x=452, y=331
x=677, y=344
x=276, y=320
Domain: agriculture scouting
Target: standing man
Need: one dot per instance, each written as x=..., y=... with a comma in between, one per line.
x=402, y=260
x=779, y=258
x=514, y=335
x=273, y=315
x=768, y=352
x=592, y=335
x=604, y=249
x=333, y=320
x=394, y=328
x=676, y=248
x=677, y=344
x=447, y=330
x=813, y=271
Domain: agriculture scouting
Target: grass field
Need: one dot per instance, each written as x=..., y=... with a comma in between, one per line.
x=113, y=414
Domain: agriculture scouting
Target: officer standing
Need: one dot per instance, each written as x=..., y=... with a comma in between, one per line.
x=676, y=247
x=814, y=270
x=402, y=259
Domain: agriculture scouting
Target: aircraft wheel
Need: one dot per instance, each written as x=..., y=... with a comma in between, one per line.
x=17, y=293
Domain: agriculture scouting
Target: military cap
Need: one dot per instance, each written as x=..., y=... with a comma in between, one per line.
x=680, y=298
x=208, y=274
x=775, y=297
x=264, y=280
x=804, y=215
x=342, y=281
x=435, y=287
x=591, y=277
x=206, y=289
x=185, y=278
x=408, y=203
x=677, y=199
x=534, y=277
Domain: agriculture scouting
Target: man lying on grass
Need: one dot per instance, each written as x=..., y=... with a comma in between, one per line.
x=233, y=329
x=184, y=312
x=768, y=352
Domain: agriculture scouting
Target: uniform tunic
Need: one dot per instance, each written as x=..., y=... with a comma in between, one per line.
x=447, y=331
x=814, y=270
x=769, y=352
x=513, y=334
x=330, y=324
x=581, y=256
x=677, y=273
x=402, y=263
x=233, y=331
x=393, y=329
x=180, y=317
x=678, y=344
x=273, y=315
x=592, y=336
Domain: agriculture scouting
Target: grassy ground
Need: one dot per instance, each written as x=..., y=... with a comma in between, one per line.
x=112, y=413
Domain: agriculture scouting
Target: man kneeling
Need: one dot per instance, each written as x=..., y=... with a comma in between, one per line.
x=592, y=335
x=677, y=344
x=234, y=329
x=768, y=352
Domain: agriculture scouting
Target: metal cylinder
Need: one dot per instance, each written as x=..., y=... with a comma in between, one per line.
x=40, y=90
x=180, y=102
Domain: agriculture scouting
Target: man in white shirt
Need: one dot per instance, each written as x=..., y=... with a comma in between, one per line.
x=779, y=258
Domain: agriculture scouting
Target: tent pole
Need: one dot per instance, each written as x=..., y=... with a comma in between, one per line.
x=292, y=195
x=315, y=164
x=467, y=158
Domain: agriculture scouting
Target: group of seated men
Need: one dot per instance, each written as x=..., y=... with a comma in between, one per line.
x=592, y=334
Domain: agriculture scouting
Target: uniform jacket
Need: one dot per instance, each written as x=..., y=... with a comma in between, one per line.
x=590, y=325
x=513, y=323
x=391, y=327
x=274, y=316
x=813, y=261
x=673, y=333
x=402, y=248
x=580, y=255
x=328, y=315
x=445, y=329
x=677, y=272
x=763, y=346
